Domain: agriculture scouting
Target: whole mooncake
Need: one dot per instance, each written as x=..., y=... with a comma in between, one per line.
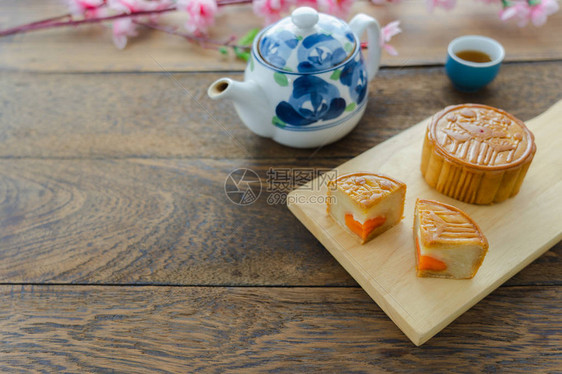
x=476, y=153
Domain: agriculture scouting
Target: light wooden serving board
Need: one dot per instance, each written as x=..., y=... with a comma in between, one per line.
x=519, y=230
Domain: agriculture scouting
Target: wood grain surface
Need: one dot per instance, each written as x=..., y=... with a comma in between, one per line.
x=158, y=115
x=153, y=221
x=423, y=42
x=288, y=330
x=119, y=251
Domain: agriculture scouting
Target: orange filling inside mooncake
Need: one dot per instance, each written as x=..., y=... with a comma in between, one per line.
x=366, y=204
x=428, y=262
x=363, y=229
x=449, y=244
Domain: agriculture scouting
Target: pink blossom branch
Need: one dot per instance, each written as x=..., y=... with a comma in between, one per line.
x=201, y=41
x=120, y=36
x=233, y=2
x=39, y=25
x=49, y=22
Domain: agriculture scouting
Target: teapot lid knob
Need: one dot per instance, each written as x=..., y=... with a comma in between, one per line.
x=304, y=17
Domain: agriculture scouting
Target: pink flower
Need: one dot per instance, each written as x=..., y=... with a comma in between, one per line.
x=86, y=8
x=310, y=3
x=271, y=9
x=523, y=12
x=519, y=11
x=338, y=8
x=132, y=6
x=541, y=11
x=201, y=13
x=445, y=4
x=387, y=32
x=123, y=28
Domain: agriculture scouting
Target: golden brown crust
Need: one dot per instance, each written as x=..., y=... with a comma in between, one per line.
x=481, y=136
x=365, y=189
x=443, y=224
x=476, y=153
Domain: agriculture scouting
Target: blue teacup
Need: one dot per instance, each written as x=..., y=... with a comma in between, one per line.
x=470, y=76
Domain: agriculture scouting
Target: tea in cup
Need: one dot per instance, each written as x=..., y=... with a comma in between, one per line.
x=473, y=61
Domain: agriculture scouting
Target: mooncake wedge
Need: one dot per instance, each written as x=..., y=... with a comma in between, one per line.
x=366, y=204
x=449, y=244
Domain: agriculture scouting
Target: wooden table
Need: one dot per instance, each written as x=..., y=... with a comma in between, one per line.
x=119, y=250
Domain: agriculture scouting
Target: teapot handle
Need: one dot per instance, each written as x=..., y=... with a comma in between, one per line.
x=359, y=24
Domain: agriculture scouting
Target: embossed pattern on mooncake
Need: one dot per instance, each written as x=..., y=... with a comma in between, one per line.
x=440, y=223
x=448, y=243
x=476, y=153
x=365, y=188
x=483, y=136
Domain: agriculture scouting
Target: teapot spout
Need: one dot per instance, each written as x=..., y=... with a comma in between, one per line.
x=249, y=101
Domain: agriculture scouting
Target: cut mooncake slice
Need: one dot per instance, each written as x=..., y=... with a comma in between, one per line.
x=366, y=204
x=449, y=244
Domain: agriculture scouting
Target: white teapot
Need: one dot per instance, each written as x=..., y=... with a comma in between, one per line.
x=306, y=81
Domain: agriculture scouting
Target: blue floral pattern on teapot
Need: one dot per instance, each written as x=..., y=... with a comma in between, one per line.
x=320, y=52
x=354, y=75
x=312, y=100
x=277, y=49
x=306, y=77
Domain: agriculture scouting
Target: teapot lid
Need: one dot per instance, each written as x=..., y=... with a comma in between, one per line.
x=307, y=42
